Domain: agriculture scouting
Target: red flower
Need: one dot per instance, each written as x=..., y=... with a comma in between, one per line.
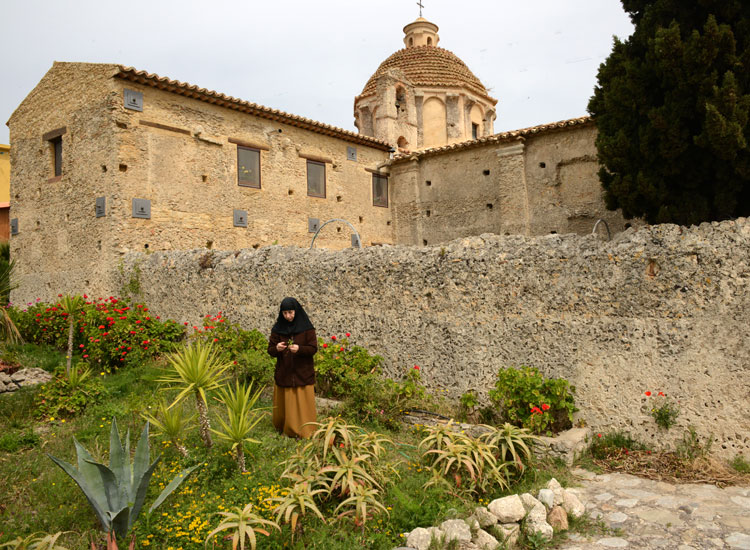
x=84, y=296
x=85, y=356
x=185, y=323
x=101, y=327
x=325, y=345
x=661, y=394
x=138, y=322
x=416, y=367
x=341, y=348
x=333, y=337
x=59, y=295
x=348, y=334
x=536, y=410
x=545, y=407
x=626, y=451
x=80, y=345
x=648, y=394
x=598, y=435
x=216, y=339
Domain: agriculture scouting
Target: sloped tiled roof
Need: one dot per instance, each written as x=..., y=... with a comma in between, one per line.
x=502, y=137
x=429, y=66
x=210, y=96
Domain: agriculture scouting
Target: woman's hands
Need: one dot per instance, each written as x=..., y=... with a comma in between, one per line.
x=281, y=346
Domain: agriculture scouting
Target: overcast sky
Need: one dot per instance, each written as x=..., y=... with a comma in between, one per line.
x=539, y=58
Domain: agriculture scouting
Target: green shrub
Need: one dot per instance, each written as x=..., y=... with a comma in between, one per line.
x=526, y=399
x=338, y=364
x=663, y=410
x=110, y=333
x=66, y=396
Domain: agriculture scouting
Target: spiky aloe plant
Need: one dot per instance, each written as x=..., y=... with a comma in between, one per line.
x=197, y=369
x=35, y=541
x=245, y=524
x=117, y=493
x=242, y=417
x=70, y=306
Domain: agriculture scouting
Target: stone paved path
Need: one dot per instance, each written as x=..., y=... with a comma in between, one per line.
x=664, y=516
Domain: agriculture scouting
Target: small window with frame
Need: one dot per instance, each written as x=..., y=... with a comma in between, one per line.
x=54, y=138
x=56, y=144
x=316, y=179
x=248, y=167
x=380, y=190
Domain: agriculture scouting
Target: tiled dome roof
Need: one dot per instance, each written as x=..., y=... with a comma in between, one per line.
x=428, y=66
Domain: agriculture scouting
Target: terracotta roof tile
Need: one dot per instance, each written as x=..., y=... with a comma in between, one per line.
x=211, y=96
x=429, y=66
x=502, y=137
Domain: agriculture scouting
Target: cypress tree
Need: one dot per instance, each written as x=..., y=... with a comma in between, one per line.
x=671, y=106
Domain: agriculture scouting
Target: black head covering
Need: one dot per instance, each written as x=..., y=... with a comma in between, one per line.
x=301, y=322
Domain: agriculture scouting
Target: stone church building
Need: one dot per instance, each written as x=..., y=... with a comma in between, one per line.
x=108, y=159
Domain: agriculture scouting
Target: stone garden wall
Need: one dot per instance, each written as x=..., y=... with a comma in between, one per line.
x=663, y=308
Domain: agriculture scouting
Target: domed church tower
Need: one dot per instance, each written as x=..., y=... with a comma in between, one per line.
x=424, y=96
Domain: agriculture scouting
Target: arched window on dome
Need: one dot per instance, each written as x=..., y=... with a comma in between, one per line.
x=402, y=143
x=411, y=42
x=429, y=41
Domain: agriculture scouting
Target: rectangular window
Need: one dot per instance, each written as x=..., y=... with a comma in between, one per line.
x=57, y=155
x=474, y=131
x=316, y=179
x=380, y=190
x=248, y=167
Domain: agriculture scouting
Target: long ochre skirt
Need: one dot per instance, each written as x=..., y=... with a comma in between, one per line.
x=293, y=410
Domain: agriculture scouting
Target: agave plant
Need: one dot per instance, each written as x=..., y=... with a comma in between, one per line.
x=334, y=432
x=348, y=472
x=172, y=423
x=245, y=525
x=242, y=417
x=197, y=369
x=117, y=493
x=70, y=306
x=35, y=541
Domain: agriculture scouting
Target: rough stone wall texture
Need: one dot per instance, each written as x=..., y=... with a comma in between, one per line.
x=564, y=193
x=663, y=308
x=547, y=183
x=61, y=246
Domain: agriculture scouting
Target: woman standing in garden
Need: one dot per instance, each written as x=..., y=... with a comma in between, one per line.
x=293, y=343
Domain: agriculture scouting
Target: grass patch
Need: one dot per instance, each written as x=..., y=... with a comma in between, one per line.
x=740, y=465
x=33, y=355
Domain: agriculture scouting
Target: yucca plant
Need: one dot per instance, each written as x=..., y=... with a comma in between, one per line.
x=245, y=524
x=514, y=444
x=70, y=306
x=296, y=503
x=172, y=423
x=8, y=330
x=35, y=541
x=117, y=493
x=242, y=417
x=77, y=376
x=198, y=369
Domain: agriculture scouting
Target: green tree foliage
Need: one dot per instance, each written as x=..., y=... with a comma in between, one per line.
x=672, y=106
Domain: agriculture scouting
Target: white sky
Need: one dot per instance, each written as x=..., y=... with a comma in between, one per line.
x=539, y=58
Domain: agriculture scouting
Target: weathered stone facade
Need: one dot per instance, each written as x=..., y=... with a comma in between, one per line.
x=661, y=308
x=529, y=182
